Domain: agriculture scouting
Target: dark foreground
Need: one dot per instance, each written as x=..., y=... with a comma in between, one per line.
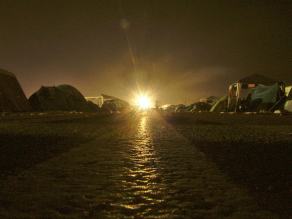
x=145, y=166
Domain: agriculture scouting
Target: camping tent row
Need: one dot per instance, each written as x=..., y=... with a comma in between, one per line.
x=253, y=93
x=55, y=98
x=109, y=103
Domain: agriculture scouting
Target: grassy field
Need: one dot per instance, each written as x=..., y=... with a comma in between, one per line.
x=253, y=150
x=86, y=158
x=29, y=139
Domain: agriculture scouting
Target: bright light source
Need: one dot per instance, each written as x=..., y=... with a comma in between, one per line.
x=143, y=102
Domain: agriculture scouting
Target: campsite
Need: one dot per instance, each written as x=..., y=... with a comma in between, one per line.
x=155, y=109
x=254, y=93
x=252, y=149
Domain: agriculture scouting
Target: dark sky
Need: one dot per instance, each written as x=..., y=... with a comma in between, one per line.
x=183, y=50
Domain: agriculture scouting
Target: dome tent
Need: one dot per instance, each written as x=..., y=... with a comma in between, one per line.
x=12, y=97
x=257, y=79
x=254, y=93
x=60, y=98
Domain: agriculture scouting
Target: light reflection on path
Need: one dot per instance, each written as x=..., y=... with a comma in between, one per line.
x=141, y=181
x=164, y=176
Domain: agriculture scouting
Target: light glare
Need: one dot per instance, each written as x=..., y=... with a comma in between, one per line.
x=143, y=102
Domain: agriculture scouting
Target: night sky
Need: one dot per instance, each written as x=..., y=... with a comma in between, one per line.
x=179, y=50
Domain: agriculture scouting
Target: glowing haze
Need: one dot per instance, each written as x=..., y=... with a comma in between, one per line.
x=180, y=50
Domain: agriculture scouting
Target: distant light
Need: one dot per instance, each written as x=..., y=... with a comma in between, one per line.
x=143, y=102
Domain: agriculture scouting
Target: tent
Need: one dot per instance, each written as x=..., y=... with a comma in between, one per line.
x=97, y=100
x=288, y=103
x=198, y=107
x=240, y=92
x=220, y=105
x=264, y=97
x=180, y=108
x=168, y=108
x=210, y=100
x=288, y=91
x=60, y=98
x=257, y=79
x=12, y=97
x=112, y=104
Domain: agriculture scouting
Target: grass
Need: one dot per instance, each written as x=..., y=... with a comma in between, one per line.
x=44, y=174
x=253, y=150
x=29, y=139
x=81, y=157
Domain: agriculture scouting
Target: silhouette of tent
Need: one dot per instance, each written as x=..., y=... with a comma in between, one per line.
x=257, y=79
x=12, y=97
x=111, y=103
x=60, y=98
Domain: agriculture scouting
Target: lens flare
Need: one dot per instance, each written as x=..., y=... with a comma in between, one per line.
x=143, y=102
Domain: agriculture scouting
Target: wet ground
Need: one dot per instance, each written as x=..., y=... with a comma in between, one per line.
x=138, y=168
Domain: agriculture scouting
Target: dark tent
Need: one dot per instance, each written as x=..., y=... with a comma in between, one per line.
x=180, y=108
x=257, y=79
x=111, y=103
x=60, y=98
x=198, y=107
x=12, y=97
x=264, y=98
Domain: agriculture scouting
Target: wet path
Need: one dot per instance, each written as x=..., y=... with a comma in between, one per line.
x=143, y=169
